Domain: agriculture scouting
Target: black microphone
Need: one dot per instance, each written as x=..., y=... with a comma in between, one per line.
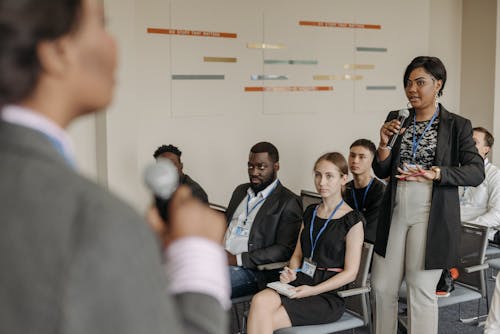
x=162, y=178
x=402, y=116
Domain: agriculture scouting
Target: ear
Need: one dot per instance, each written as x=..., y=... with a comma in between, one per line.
x=53, y=57
x=276, y=166
x=344, y=179
x=439, y=84
x=181, y=165
x=487, y=150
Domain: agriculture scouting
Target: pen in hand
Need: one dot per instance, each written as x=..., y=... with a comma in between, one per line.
x=295, y=270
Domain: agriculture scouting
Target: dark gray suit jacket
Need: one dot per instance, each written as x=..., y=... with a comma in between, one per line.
x=461, y=165
x=76, y=259
x=275, y=228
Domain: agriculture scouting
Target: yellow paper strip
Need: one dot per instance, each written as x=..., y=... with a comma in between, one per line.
x=219, y=59
x=359, y=66
x=265, y=46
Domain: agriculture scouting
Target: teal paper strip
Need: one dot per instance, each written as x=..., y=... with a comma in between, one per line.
x=380, y=87
x=368, y=49
x=268, y=77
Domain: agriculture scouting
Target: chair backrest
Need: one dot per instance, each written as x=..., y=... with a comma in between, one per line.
x=359, y=304
x=217, y=207
x=472, y=252
x=309, y=197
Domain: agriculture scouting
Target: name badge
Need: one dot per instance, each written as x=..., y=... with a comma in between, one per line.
x=308, y=267
x=242, y=231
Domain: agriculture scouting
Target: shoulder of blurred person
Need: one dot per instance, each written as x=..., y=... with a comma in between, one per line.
x=196, y=189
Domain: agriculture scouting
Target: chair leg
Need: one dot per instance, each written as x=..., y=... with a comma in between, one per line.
x=473, y=320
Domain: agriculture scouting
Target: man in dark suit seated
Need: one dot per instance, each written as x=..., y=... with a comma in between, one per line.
x=263, y=219
x=173, y=154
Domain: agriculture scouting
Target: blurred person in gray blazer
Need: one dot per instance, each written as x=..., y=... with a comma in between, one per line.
x=75, y=258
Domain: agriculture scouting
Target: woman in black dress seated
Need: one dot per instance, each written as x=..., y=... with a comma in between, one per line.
x=326, y=258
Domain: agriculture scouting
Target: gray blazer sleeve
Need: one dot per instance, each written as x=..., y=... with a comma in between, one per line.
x=116, y=282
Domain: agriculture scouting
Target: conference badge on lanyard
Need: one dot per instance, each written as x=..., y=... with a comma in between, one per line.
x=308, y=267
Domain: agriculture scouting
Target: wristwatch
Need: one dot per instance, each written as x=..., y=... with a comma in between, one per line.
x=436, y=170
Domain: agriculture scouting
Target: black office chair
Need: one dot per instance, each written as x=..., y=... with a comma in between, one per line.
x=217, y=207
x=471, y=284
x=309, y=197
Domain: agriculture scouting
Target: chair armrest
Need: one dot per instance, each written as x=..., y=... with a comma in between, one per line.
x=353, y=292
x=272, y=266
x=479, y=267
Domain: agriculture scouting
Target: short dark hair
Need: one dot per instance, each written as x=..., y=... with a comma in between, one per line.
x=335, y=158
x=366, y=143
x=266, y=147
x=167, y=149
x=432, y=65
x=488, y=137
x=23, y=25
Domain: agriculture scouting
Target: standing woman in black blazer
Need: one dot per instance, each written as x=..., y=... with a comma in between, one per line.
x=419, y=222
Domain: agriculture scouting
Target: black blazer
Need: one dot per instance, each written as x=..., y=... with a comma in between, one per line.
x=275, y=228
x=461, y=165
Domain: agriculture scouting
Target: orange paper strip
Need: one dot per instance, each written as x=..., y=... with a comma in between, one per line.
x=340, y=25
x=195, y=33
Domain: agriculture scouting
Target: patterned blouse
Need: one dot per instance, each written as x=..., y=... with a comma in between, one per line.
x=426, y=149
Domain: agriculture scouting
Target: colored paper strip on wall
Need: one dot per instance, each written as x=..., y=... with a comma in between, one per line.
x=340, y=25
x=288, y=89
x=195, y=33
x=197, y=77
x=219, y=59
x=359, y=66
x=380, y=87
x=370, y=49
x=290, y=62
x=338, y=77
x=268, y=77
x=265, y=46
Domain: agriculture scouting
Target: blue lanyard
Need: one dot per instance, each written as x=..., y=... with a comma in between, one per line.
x=364, y=195
x=249, y=211
x=313, y=243
x=414, y=142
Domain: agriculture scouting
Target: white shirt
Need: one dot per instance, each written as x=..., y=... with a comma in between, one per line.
x=28, y=118
x=481, y=205
x=236, y=237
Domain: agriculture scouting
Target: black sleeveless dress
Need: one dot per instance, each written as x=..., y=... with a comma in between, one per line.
x=329, y=253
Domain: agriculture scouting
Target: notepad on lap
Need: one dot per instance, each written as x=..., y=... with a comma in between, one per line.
x=282, y=288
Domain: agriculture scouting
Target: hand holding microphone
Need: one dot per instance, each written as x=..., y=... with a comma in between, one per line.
x=392, y=129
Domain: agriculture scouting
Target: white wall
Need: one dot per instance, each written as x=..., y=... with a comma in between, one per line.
x=218, y=124
x=478, y=61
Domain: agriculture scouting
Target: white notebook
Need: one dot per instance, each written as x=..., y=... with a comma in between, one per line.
x=282, y=288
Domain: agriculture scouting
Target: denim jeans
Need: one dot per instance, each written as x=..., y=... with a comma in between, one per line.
x=243, y=281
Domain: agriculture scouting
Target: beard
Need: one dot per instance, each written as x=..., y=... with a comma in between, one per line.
x=264, y=184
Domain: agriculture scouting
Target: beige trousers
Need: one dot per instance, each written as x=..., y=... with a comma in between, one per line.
x=405, y=257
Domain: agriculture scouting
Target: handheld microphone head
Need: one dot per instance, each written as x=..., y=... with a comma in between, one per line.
x=162, y=178
x=404, y=114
